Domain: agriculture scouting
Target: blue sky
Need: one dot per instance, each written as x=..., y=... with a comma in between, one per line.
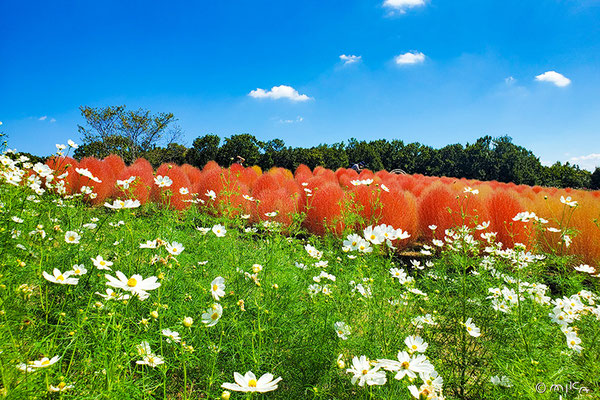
x=432, y=71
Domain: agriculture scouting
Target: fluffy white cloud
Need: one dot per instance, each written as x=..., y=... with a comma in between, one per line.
x=401, y=5
x=589, y=162
x=510, y=80
x=412, y=57
x=279, y=92
x=42, y=118
x=52, y=120
x=554, y=77
x=350, y=59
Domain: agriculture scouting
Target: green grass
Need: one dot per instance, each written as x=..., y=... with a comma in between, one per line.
x=281, y=328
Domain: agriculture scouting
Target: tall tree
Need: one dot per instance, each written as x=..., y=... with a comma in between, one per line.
x=203, y=150
x=127, y=133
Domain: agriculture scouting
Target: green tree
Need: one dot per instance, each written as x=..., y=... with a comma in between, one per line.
x=595, y=179
x=203, y=150
x=127, y=133
x=244, y=145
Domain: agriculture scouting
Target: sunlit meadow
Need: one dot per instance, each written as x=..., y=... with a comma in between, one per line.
x=153, y=288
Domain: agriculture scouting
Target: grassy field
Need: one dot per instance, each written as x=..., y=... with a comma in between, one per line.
x=152, y=319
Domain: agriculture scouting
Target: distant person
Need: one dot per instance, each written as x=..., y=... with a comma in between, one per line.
x=240, y=160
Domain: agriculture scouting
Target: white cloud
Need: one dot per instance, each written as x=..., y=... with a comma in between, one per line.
x=412, y=57
x=402, y=5
x=42, y=118
x=291, y=121
x=52, y=120
x=279, y=92
x=510, y=80
x=589, y=162
x=554, y=77
x=350, y=59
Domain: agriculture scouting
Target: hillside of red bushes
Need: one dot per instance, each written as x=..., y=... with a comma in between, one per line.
x=333, y=200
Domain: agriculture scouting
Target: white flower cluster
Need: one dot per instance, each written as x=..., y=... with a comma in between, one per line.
x=373, y=235
x=411, y=364
x=567, y=310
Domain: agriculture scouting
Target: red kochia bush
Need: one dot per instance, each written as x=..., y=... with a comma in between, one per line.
x=325, y=210
x=400, y=211
x=180, y=180
x=102, y=171
x=433, y=210
x=65, y=165
x=586, y=243
x=303, y=173
x=143, y=183
x=503, y=206
x=192, y=173
x=210, y=179
x=115, y=163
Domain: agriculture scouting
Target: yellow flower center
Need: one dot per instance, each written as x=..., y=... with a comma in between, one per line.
x=414, y=346
x=103, y=263
x=405, y=365
x=469, y=328
x=60, y=278
x=365, y=371
x=131, y=282
x=372, y=237
x=71, y=238
x=215, y=288
x=45, y=362
x=252, y=383
x=214, y=316
x=77, y=271
x=62, y=385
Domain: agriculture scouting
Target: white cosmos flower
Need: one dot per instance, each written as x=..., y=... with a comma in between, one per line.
x=150, y=244
x=568, y=201
x=407, y=365
x=374, y=235
x=174, y=248
x=217, y=288
x=352, y=241
x=202, y=230
x=219, y=230
x=585, y=268
x=272, y=214
x=249, y=383
x=72, y=237
x=72, y=144
x=184, y=190
x=211, y=194
x=249, y=198
x=212, y=315
x=85, y=172
x=44, y=362
x=415, y=343
x=469, y=189
x=313, y=252
x=172, y=336
x=342, y=330
x=61, y=387
x=79, y=269
x=163, y=181
x=112, y=295
x=364, y=246
x=136, y=284
x=471, y=328
x=363, y=373
x=123, y=204
x=151, y=360
x=60, y=278
x=101, y=263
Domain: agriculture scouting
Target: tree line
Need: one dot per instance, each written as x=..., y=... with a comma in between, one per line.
x=138, y=133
